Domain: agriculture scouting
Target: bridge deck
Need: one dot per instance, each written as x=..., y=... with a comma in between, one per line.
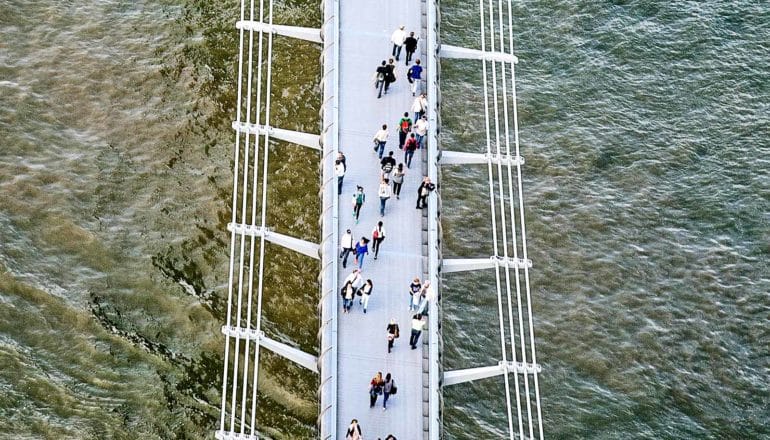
x=366, y=27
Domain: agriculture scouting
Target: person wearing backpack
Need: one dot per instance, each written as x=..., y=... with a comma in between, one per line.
x=414, y=75
x=378, y=235
x=392, y=329
x=410, y=44
x=358, y=200
x=384, y=193
x=409, y=147
x=398, y=179
x=388, y=388
x=380, y=138
x=404, y=127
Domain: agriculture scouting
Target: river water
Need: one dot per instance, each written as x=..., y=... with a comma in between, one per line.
x=645, y=130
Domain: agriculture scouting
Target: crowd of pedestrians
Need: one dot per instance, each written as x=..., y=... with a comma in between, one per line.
x=412, y=130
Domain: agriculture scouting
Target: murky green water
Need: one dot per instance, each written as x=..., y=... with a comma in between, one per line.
x=645, y=131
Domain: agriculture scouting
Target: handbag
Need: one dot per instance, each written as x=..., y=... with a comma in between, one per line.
x=393, y=389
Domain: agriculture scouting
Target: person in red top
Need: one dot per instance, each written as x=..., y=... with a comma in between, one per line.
x=375, y=389
x=409, y=147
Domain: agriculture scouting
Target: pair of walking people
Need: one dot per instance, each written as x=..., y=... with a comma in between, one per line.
x=354, y=285
x=377, y=386
x=401, y=40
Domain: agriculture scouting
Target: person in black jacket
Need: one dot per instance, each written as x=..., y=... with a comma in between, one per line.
x=411, y=45
x=390, y=74
x=423, y=191
x=392, y=333
x=381, y=74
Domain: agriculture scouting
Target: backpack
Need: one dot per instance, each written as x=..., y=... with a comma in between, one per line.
x=387, y=168
x=405, y=123
x=409, y=75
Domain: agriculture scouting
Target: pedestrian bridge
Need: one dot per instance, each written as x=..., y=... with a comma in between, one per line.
x=355, y=36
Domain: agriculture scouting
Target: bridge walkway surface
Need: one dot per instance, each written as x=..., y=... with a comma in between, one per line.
x=365, y=30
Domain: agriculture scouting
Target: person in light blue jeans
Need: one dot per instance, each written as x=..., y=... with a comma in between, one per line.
x=414, y=294
x=362, y=249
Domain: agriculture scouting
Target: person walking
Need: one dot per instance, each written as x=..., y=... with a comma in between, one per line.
x=386, y=165
x=409, y=147
x=354, y=431
x=421, y=130
x=414, y=76
x=398, y=180
x=339, y=171
x=404, y=127
x=380, y=138
x=365, y=293
x=417, y=108
x=355, y=279
x=375, y=388
x=379, y=78
x=358, y=201
x=423, y=191
x=384, y=192
x=390, y=74
x=341, y=157
x=392, y=329
x=410, y=44
x=361, y=250
x=414, y=294
x=388, y=388
x=397, y=38
x=347, y=245
x=378, y=235
x=348, y=293
x=417, y=326
x=423, y=103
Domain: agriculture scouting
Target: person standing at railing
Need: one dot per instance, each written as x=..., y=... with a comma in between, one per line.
x=347, y=244
x=384, y=192
x=393, y=333
x=397, y=38
x=410, y=44
x=417, y=326
x=414, y=294
x=380, y=138
x=423, y=191
x=378, y=235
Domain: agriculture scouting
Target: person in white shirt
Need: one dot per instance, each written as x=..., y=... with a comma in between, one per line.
x=339, y=171
x=384, y=192
x=417, y=108
x=420, y=130
x=398, y=38
x=378, y=234
x=417, y=326
x=380, y=138
x=347, y=244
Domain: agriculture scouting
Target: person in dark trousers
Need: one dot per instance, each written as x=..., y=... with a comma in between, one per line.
x=379, y=77
x=390, y=74
x=389, y=160
x=410, y=44
x=378, y=235
x=398, y=38
x=423, y=191
x=339, y=171
x=358, y=201
x=414, y=75
x=404, y=127
x=417, y=325
x=409, y=147
x=398, y=180
x=387, y=389
x=354, y=431
x=347, y=244
x=375, y=389
x=361, y=250
x=392, y=333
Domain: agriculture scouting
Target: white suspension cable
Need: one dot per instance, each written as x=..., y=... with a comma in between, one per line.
x=494, y=220
x=226, y=369
x=266, y=144
x=252, y=240
x=513, y=224
x=524, y=233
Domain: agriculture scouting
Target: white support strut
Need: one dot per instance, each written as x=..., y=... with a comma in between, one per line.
x=301, y=33
x=455, y=377
x=466, y=264
x=460, y=158
x=448, y=51
x=295, y=137
x=302, y=246
x=293, y=354
x=230, y=435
